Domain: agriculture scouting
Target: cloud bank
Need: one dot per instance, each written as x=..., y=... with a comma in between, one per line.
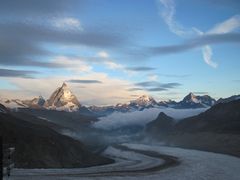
x=118, y=119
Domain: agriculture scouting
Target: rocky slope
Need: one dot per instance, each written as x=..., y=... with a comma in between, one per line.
x=161, y=124
x=217, y=130
x=223, y=117
x=193, y=101
x=38, y=146
x=229, y=99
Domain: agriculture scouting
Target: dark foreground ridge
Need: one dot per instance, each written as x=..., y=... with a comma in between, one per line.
x=38, y=146
x=215, y=130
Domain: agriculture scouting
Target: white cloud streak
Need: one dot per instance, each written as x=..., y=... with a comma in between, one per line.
x=207, y=52
x=168, y=15
x=103, y=54
x=75, y=65
x=229, y=25
x=67, y=23
x=207, y=56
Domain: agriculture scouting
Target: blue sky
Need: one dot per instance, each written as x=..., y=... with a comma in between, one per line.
x=119, y=50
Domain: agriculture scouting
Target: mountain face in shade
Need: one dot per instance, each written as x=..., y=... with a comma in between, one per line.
x=3, y=109
x=193, y=101
x=168, y=103
x=223, y=117
x=161, y=124
x=229, y=99
x=13, y=103
x=39, y=146
x=63, y=99
x=35, y=102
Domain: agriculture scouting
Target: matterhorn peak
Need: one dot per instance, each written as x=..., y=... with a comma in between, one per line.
x=64, y=85
x=63, y=99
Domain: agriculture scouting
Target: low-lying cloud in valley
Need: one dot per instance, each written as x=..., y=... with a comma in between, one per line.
x=119, y=119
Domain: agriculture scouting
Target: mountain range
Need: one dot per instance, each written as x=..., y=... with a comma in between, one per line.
x=62, y=99
x=40, y=127
x=221, y=117
x=217, y=129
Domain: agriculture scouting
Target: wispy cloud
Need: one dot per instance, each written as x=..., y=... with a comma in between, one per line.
x=67, y=23
x=207, y=56
x=36, y=8
x=81, y=81
x=157, y=86
x=226, y=26
x=17, y=73
x=13, y=36
x=74, y=64
x=175, y=75
x=168, y=15
x=134, y=95
x=147, y=83
x=157, y=89
x=140, y=68
x=111, y=64
x=229, y=25
x=135, y=89
x=170, y=85
x=152, y=77
x=103, y=54
x=200, y=92
x=197, y=42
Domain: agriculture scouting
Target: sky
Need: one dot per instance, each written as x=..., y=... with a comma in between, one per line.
x=111, y=51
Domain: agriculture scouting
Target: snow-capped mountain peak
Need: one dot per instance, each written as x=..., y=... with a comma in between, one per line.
x=63, y=99
x=35, y=102
x=193, y=101
x=13, y=103
x=191, y=98
x=144, y=100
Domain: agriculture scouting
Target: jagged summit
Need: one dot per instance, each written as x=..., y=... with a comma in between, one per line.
x=144, y=100
x=229, y=99
x=62, y=99
x=193, y=101
x=35, y=102
x=64, y=85
x=191, y=98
